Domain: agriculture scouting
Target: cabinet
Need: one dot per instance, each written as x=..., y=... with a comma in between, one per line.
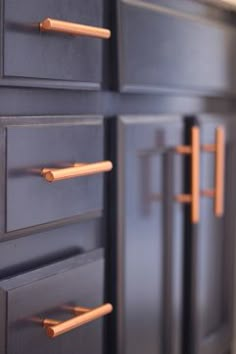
x=174, y=274
x=143, y=238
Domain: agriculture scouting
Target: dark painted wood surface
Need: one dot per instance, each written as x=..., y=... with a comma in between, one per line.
x=42, y=293
x=152, y=229
x=163, y=48
x=148, y=235
x=210, y=253
x=34, y=55
x=30, y=199
x=44, y=247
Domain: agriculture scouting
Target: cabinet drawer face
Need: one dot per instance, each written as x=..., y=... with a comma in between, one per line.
x=31, y=199
x=28, y=299
x=161, y=48
x=29, y=53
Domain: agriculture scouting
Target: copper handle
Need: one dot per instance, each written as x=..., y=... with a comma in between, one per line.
x=77, y=170
x=194, y=151
x=218, y=192
x=56, y=328
x=53, y=25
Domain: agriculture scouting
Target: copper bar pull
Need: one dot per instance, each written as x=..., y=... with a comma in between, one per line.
x=218, y=192
x=56, y=328
x=195, y=168
x=219, y=172
x=54, y=25
x=77, y=170
x=194, y=151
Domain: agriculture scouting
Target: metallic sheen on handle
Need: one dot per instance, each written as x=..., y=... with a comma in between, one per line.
x=194, y=151
x=56, y=328
x=218, y=192
x=54, y=25
x=219, y=172
x=77, y=170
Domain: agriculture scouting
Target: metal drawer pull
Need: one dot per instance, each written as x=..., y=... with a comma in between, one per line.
x=194, y=151
x=56, y=328
x=77, y=170
x=53, y=25
x=218, y=192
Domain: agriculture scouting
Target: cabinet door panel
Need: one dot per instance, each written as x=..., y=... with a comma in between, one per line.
x=150, y=235
x=211, y=254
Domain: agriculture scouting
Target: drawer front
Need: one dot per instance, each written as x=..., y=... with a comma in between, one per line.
x=49, y=246
x=27, y=299
x=31, y=200
x=30, y=54
x=164, y=49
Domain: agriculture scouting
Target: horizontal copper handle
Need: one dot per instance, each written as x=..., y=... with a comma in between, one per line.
x=53, y=25
x=194, y=151
x=77, y=170
x=56, y=328
x=218, y=192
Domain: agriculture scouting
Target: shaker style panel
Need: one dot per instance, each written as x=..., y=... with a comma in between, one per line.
x=160, y=48
x=34, y=198
x=149, y=235
x=49, y=58
x=211, y=245
x=61, y=293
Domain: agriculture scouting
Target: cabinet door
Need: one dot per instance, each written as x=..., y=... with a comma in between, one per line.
x=149, y=235
x=210, y=248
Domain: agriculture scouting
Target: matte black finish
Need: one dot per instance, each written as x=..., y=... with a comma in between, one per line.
x=211, y=250
x=42, y=293
x=30, y=199
x=163, y=48
x=149, y=235
x=41, y=56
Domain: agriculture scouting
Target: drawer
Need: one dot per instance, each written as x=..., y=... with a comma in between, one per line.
x=30, y=198
x=166, y=49
x=49, y=246
x=53, y=292
x=48, y=58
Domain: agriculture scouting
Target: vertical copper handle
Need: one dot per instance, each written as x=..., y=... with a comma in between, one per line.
x=194, y=151
x=218, y=192
x=219, y=172
x=195, y=172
